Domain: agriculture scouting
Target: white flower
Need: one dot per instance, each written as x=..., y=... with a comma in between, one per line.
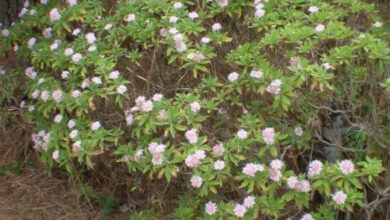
x=57, y=95
x=92, y=48
x=256, y=74
x=71, y=123
x=96, y=125
x=54, y=15
x=205, y=40
x=31, y=42
x=114, y=74
x=276, y=164
x=195, y=107
x=85, y=83
x=107, y=27
x=378, y=24
x=249, y=201
x=76, y=32
x=193, y=15
x=219, y=165
x=233, y=76
x=259, y=12
x=76, y=57
x=54, y=46
x=65, y=74
x=73, y=134
x=58, y=118
x=130, y=18
x=307, y=216
x=71, y=2
x=242, y=134
x=313, y=9
x=216, y=27
x=35, y=94
x=76, y=146
x=339, y=197
x=223, y=3
x=68, y=51
x=173, y=31
x=121, y=89
x=45, y=95
x=157, y=97
x=346, y=167
x=147, y=106
x=320, y=28
x=76, y=93
x=55, y=155
x=96, y=80
x=173, y=19
x=5, y=32
x=178, y=5
x=91, y=38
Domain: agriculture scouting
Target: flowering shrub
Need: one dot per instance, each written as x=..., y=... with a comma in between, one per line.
x=245, y=126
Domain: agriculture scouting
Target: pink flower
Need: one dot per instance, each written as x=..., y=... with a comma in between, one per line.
x=180, y=46
x=173, y=19
x=256, y=74
x=58, y=118
x=315, y=168
x=178, y=5
x=157, y=97
x=192, y=136
x=114, y=75
x=346, y=167
x=196, y=181
x=242, y=134
x=269, y=135
x=275, y=175
x=218, y=149
x=35, y=94
x=54, y=15
x=223, y=3
x=147, y=106
x=250, y=169
x=274, y=87
x=276, y=164
x=76, y=93
x=138, y=155
x=193, y=160
x=205, y=40
x=249, y=201
x=56, y=155
x=129, y=119
x=43, y=2
x=298, y=131
x=162, y=115
x=5, y=32
x=47, y=32
x=320, y=28
x=130, y=18
x=57, y=95
x=157, y=159
x=292, y=182
x=216, y=27
x=71, y=2
x=71, y=123
x=96, y=125
x=68, y=51
x=73, y=134
x=76, y=32
x=31, y=42
x=90, y=37
x=219, y=165
x=313, y=9
x=303, y=186
x=193, y=15
x=233, y=76
x=76, y=57
x=307, y=216
x=97, y=81
x=121, y=89
x=65, y=74
x=378, y=24
x=45, y=95
x=339, y=197
x=210, y=208
x=195, y=107
x=239, y=210
x=76, y=146
x=259, y=12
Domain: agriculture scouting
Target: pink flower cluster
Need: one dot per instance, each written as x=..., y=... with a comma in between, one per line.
x=194, y=160
x=250, y=169
x=157, y=151
x=239, y=210
x=143, y=105
x=274, y=87
x=210, y=208
x=196, y=181
x=259, y=8
x=339, y=197
x=298, y=185
x=218, y=149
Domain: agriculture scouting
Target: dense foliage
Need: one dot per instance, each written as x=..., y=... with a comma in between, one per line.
x=244, y=136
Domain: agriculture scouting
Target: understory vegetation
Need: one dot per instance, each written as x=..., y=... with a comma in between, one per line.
x=208, y=109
